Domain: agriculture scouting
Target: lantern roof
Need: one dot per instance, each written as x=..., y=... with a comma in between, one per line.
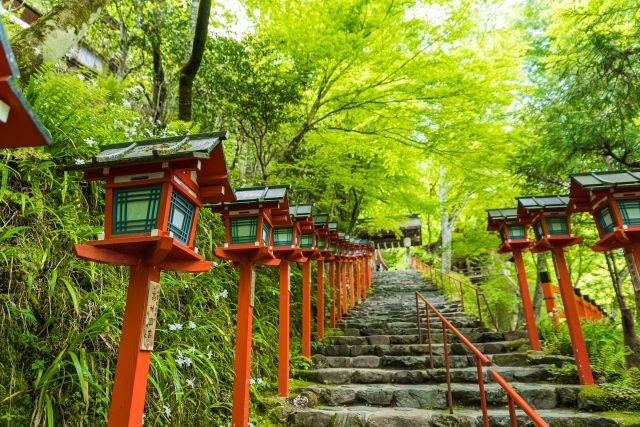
x=19, y=124
x=503, y=214
x=301, y=211
x=529, y=204
x=257, y=195
x=202, y=153
x=606, y=179
x=499, y=216
x=333, y=226
x=321, y=220
x=341, y=236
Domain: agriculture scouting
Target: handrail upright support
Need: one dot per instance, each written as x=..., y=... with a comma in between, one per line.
x=513, y=419
x=426, y=309
x=418, y=315
x=479, y=311
x=483, y=396
x=446, y=364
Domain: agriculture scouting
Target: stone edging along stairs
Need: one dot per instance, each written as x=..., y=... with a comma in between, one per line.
x=374, y=373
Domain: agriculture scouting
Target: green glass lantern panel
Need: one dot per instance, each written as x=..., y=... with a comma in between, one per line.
x=266, y=230
x=516, y=232
x=180, y=217
x=630, y=211
x=557, y=226
x=350, y=251
x=332, y=246
x=306, y=241
x=322, y=243
x=135, y=210
x=282, y=236
x=605, y=220
x=503, y=235
x=537, y=229
x=243, y=230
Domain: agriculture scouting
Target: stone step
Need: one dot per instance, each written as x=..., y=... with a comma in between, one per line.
x=365, y=416
x=431, y=376
x=365, y=349
x=539, y=396
x=474, y=337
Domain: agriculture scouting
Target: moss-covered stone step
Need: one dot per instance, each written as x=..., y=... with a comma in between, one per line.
x=417, y=376
x=363, y=416
x=539, y=396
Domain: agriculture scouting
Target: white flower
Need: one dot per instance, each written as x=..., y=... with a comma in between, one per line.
x=192, y=325
x=143, y=415
x=126, y=103
x=38, y=52
x=209, y=354
x=186, y=286
x=224, y=294
x=183, y=361
x=215, y=264
x=251, y=425
x=259, y=381
x=89, y=141
x=167, y=411
x=190, y=382
x=79, y=162
x=252, y=381
x=192, y=350
x=175, y=326
x=104, y=305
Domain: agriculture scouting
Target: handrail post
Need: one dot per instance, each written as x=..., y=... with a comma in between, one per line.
x=479, y=311
x=418, y=315
x=483, y=396
x=446, y=364
x=426, y=309
x=513, y=420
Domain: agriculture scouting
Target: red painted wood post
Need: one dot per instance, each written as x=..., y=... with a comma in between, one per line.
x=320, y=299
x=332, y=287
x=306, y=309
x=526, y=301
x=132, y=369
x=283, y=331
x=358, y=280
x=339, y=289
x=345, y=302
x=242, y=364
x=352, y=287
x=573, y=320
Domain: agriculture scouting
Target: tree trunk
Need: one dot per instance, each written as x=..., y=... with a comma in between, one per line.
x=445, y=224
x=538, y=296
x=159, y=82
x=51, y=36
x=192, y=65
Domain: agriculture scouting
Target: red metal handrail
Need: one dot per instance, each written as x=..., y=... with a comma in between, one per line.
x=433, y=275
x=513, y=397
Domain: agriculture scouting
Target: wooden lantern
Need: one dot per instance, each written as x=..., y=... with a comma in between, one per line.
x=19, y=124
x=249, y=221
x=515, y=238
x=154, y=190
x=303, y=216
x=551, y=222
x=321, y=226
x=613, y=199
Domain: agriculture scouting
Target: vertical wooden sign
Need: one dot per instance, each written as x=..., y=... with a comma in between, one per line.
x=150, y=316
x=633, y=270
x=253, y=288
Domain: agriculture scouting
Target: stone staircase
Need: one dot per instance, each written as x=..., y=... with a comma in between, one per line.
x=374, y=372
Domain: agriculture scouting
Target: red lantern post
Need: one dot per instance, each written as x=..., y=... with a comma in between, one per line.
x=351, y=260
x=551, y=222
x=154, y=191
x=303, y=216
x=285, y=240
x=515, y=239
x=334, y=282
x=19, y=124
x=248, y=223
